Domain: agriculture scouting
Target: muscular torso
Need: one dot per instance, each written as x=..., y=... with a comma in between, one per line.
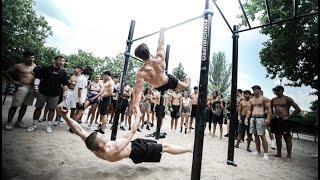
x=113, y=154
x=194, y=98
x=258, y=106
x=24, y=73
x=126, y=92
x=244, y=107
x=176, y=99
x=281, y=107
x=153, y=73
x=108, y=87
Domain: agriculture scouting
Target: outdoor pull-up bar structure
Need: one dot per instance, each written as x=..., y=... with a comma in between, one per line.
x=234, y=79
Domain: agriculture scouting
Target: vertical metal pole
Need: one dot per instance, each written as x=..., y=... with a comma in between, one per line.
x=123, y=77
x=161, y=113
x=202, y=98
x=233, y=112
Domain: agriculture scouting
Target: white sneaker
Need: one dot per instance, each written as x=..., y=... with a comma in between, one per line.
x=265, y=157
x=31, y=128
x=273, y=144
x=8, y=126
x=49, y=130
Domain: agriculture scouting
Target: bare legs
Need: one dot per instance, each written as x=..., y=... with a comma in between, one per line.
x=175, y=149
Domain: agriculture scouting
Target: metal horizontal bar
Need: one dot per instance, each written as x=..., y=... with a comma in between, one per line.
x=222, y=15
x=136, y=58
x=279, y=22
x=244, y=13
x=170, y=27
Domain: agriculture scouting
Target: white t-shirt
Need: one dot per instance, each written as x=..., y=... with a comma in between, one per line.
x=70, y=101
x=82, y=83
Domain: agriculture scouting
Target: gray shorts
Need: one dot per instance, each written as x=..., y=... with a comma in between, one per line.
x=146, y=106
x=257, y=125
x=52, y=102
x=23, y=96
x=185, y=109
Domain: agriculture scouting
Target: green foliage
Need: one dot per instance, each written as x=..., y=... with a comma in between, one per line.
x=23, y=30
x=179, y=73
x=292, y=50
x=314, y=106
x=219, y=74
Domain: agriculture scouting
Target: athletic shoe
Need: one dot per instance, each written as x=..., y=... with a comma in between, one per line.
x=137, y=130
x=181, y=129
x=249, y=150
x=148, y=128
x=151, y=125
x=8, y=126
x=110, y=121
x=129, y=129
x=185, y=130
x=20, y=124
x=48, y=129
x=265, y=157
x=79, y=121
x=226, y=135
x=43, y=119
x=145, y=122
x=31, y=128
x=142, y=126
x=273, y=144
x=122, y=128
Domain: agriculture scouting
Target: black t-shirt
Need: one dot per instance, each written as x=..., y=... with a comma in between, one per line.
x=51, y=80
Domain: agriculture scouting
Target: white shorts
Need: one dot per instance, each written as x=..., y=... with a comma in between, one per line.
x=23, y=96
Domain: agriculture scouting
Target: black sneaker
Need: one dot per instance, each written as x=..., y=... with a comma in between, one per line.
x=181, y=129
x=226, y=135
x=138, y=130
x=148, y=128
x=145, y=122
x=185, y=130
x=110, y=121
x=79, y=121
x=129, y=128
x=122, y=128
x=142, y=126
x=151, y=125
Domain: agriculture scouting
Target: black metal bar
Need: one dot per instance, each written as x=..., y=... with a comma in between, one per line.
x=160, y=114
x=202, y=97
x=268, y=10
x=233, y=107
x=136, y=58
x=222, y=15
x=279, y=22
x=244, y=13
x=123, y=77
x=170, y=27
x=295, y=8
x=6, y=93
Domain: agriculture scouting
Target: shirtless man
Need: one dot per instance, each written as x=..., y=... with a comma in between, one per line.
x=125, y=103
x=153, y=73
x=22, y=76
x=257, y=106
x=280, y=123
x=106, y=95
x=153, y=104
x=194, y=102
x=175, y=101
x=243, y=128
x=139, y=150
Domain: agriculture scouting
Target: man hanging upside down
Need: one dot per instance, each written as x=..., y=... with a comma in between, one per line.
x=153, y=73
x=138, y=150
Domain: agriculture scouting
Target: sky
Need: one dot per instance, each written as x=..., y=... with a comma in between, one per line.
x=102, y=27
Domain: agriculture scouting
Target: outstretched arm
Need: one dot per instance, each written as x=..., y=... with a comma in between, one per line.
x=160, y=49
x=75, y=127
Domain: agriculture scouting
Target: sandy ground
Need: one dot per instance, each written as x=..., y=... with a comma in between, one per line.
x=63, y=155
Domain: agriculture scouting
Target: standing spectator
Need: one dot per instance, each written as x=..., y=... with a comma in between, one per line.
x=47, y=84
x=22, y=76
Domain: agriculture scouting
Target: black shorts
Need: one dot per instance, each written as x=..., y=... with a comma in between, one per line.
x=114, y=103
x=152, y=107
x=279, y=126
x=80, y=108
x=242, y=127
x=209, y=115
x=217, y=119
x=171, y=84
x=145, y=150
x=194, y=110
x=104, y=105
x=124, y=105
x=175, y=112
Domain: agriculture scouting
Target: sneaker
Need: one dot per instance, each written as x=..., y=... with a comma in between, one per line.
x=273, y=144
x=142, y=126
x=56, y=123
x=249, y=150
x=122, y=128
x=129, y=129
x=226, y=135
x=137, y=130
x=110, y=121
x=79, y=121
x=48, y=129
x=20, y=124
x=145, y=122
x=42, y=119
x=8, y=126
x=265, y=157
x=185, y=130
x=151, y=125
x=31, y=128
x=181, y=129
x=148, y=128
